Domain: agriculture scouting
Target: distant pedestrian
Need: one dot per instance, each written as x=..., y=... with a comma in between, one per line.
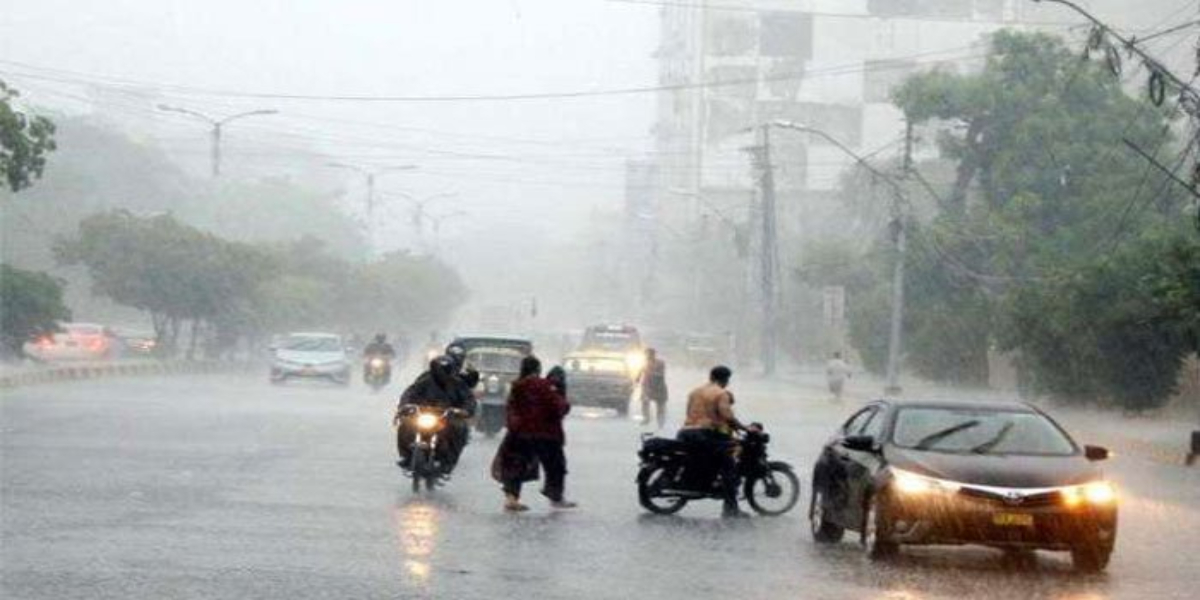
x=654, y=388
x=536, y=410
x=836, y=374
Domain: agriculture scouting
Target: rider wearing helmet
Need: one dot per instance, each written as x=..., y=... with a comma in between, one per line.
x=379, y=347
x=441, y=387
x=465, y=372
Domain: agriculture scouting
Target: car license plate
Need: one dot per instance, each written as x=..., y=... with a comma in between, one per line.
x=1012, y=520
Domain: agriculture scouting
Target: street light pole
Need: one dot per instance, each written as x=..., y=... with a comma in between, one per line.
x=217, y=125
x=369, y=178
x=899, y=237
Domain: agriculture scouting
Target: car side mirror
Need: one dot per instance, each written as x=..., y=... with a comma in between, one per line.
x=860, y=443
x=1095, y=453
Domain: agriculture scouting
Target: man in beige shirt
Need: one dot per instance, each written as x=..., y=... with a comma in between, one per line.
x=709, y=426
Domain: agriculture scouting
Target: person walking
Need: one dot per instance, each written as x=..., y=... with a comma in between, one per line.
x=836, y=374
x=535, y=436
x=654, y=388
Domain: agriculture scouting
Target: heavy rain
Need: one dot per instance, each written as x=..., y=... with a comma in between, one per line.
x=771, y=299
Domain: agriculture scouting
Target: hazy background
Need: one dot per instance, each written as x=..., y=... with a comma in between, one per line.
x=530, y=174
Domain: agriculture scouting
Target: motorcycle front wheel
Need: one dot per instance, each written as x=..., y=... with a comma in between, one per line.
x=419, y=465
x=775, y=492
x=650, y=480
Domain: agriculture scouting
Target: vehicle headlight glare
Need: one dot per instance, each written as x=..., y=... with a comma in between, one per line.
x=635, y=361
x=1100, y=492
x=913, y=485
x=426, y=421
x=377, y=363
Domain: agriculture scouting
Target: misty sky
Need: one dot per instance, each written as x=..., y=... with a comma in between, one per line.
x=563, y=156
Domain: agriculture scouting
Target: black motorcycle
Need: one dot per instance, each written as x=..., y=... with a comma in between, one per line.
x=675, y=472
x=378, y=372
x=425, y=463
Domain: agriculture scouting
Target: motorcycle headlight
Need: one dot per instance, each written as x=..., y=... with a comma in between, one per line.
x=426, y=421
x=377, y=363
x=912, y=484
x=1096, y=493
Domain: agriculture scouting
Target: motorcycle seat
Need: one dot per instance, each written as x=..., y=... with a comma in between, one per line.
x=660, y=445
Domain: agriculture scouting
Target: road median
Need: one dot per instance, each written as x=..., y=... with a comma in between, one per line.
x=66, y=373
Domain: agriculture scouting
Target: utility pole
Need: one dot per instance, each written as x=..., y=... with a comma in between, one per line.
x=217, y=125
x=369, y=176
x=899, y=239
x=769, y=256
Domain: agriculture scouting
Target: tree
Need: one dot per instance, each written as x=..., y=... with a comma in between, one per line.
x=31, y=305
x=1042, y=190
x=24, y=142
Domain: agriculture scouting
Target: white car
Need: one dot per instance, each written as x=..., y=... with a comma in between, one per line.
x=310, y=356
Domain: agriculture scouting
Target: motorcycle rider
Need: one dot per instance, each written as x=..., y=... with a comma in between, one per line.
x=709, y=427
x=467, y=373
x=439, y=386
x=379, y=348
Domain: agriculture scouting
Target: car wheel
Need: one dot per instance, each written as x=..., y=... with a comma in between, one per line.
x=823, y=530
x=876, y=531
x=1091, y=558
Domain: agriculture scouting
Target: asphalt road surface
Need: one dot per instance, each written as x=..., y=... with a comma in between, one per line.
x=227, y=487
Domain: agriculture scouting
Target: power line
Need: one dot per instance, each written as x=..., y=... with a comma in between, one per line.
x=845, y=69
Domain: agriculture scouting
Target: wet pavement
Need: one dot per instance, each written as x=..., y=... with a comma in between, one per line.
x=216, y=487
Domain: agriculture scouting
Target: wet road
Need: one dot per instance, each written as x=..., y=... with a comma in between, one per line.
x=214, y=487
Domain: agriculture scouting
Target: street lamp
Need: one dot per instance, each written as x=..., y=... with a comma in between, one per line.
x=894, y=337
x=217, y=125
x=369, y=175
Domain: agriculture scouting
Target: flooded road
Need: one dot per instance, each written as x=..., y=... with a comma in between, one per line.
x=227, y=487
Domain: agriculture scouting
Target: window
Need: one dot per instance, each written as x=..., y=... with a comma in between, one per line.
x=856, y=423
x=874, y=426
x=980, y=431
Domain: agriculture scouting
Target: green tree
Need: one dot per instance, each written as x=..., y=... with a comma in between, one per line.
x=1042, y=188
x=31, y=304
x=24, y=142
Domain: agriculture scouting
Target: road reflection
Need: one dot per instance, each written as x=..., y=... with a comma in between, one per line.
x=416, y=524
x=968, y=572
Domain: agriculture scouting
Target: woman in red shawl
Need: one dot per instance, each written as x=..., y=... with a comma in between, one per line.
x=536, y=409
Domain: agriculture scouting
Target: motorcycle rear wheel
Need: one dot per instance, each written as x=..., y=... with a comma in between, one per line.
x=650, y=478
x=780, y=486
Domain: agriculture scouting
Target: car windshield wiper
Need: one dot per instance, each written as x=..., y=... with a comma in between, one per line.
x=987, y=446
x=928, y=441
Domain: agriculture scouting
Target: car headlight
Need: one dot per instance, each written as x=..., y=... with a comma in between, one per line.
x=1096, y=493
x=427, y=421
x=636, y=361
x=377, y=363
x=912, y=484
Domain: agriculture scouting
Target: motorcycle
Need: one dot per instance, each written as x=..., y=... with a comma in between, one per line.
x=378, y=372
x=674, y=473
x=427, y=423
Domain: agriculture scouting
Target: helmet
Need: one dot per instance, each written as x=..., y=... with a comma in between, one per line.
x=457, y=354
x=380, y=338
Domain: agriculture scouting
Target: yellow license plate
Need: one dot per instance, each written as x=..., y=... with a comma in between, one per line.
x=1012, y=520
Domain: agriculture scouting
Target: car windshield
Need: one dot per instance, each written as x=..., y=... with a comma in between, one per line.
x=311, y=343
x=980, y=431
x=498, y=360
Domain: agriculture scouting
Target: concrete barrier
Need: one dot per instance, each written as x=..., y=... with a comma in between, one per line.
x=81, y=372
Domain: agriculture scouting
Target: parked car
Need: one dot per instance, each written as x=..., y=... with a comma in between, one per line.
x=74, y=341
x=1001, y=474
x=310, y=356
